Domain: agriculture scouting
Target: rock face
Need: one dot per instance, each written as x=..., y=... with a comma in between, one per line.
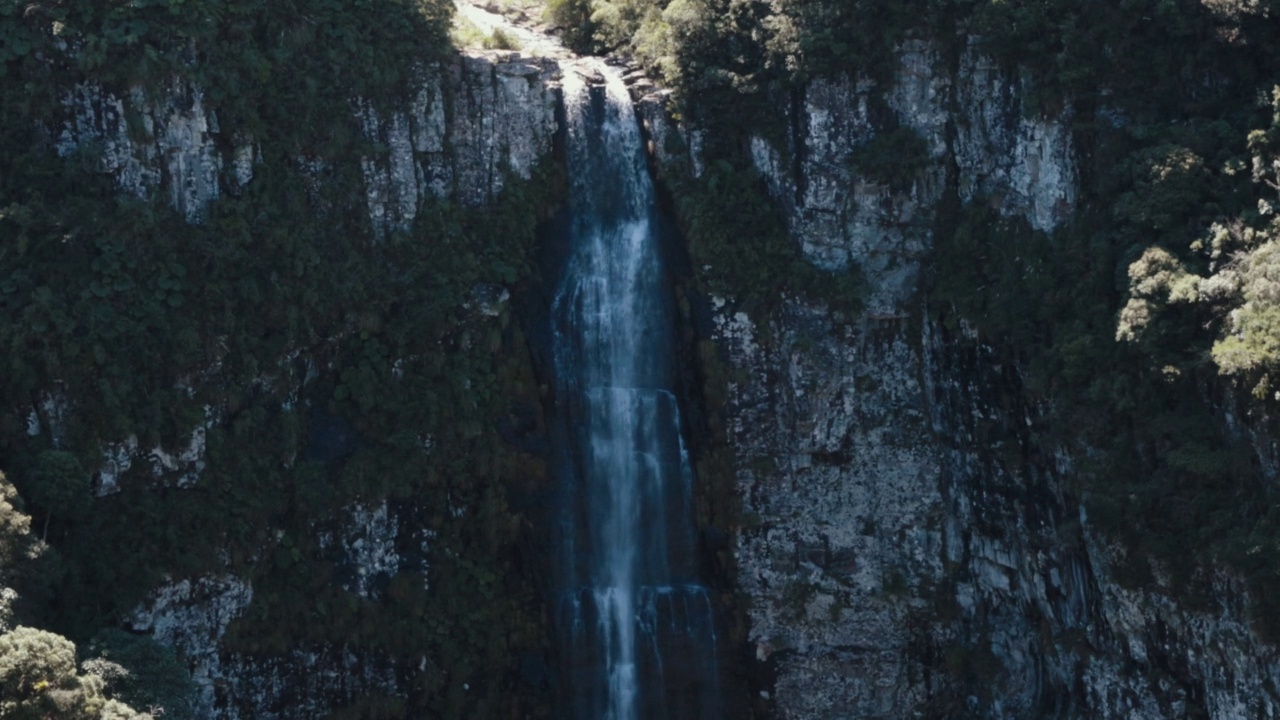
x=305, y=682
x=147, y=143
x=892, y=565
x=466, y=127
x=463, y=127
x=894, y=568
x=192, y=617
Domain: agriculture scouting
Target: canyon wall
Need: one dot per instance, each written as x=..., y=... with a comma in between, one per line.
x=909, y=544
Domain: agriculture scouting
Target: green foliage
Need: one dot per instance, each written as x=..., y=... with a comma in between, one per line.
x=142, y=673
x=16, y=544
x=1156, y=280
x=818, y=37
x=498, y=40
x=601, y=26
x=1227, y=278
x=721, y=56
x=617, y=21
x=61, y=488
x=1169, y=191
x=573, y=19
x=735, y=234
x=136, y=41
x=1248, y=282
x=892, y=158
x=1251, y=345
x=739, y=243
x=1137, y=55
x=116, y=710
x=32, y=661
x=39, y=681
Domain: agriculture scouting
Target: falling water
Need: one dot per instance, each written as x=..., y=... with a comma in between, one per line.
x=636, y=627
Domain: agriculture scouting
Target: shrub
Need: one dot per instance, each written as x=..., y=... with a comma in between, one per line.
x=62, y=488
x=892, y=158
x=573, y=19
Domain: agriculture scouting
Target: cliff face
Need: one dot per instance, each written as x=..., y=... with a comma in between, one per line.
x=466, y=129
x=895, y=561
x=460, y=129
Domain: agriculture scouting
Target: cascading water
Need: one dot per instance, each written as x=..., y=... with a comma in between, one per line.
x=636, y=628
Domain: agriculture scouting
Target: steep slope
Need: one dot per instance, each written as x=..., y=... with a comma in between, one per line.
x=910, y=539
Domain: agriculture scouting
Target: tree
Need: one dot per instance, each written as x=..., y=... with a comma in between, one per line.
x=17, y=547
x=61, y=487
x=142, y=672
x=39, y=681
x=32, y=661
x=573, y=18
x=38, y=675
x=16, y=544
x=1242, y=286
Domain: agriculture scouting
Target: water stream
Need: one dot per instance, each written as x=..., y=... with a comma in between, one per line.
x=635, y=625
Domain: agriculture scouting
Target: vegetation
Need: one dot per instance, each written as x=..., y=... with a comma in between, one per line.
x=329, y=371
x=1127, y=319
x=18, y=548
x=39, y=677
x=739, y=243
x=326, y=370
x=139, y=671
x=1238, y=256
x=893, y=158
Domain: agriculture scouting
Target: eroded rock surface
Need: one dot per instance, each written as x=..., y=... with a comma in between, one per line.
x=468, y=126
x=469, y=123
x=464, y=126
x=894, y=566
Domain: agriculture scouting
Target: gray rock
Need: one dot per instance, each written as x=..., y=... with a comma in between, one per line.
x=893, y=566
x=149, y=143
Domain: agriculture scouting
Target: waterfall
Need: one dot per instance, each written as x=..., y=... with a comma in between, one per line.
x=636, y=627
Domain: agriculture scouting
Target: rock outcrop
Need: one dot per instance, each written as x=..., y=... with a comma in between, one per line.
x=892, y=564
x=464, y=126
x=168, y=142
x=468, y=125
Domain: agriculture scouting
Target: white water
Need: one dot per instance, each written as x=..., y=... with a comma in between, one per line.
x=637, y=629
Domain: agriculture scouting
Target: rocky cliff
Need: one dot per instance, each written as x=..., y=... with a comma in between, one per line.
x=466, y=129
x=461, y=129
x=909, y=544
